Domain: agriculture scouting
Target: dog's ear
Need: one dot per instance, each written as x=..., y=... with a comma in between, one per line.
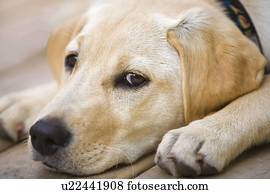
x=58, y=41
x=218, y=62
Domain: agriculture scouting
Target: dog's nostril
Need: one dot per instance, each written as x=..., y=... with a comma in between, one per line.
x=47, y=136
x=49, y=142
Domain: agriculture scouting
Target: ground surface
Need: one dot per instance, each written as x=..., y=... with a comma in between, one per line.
x=25, y=26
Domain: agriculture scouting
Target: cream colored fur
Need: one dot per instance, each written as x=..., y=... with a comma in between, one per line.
x=198, y=63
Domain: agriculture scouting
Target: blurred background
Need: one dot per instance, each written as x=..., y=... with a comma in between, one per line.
x=25, y=26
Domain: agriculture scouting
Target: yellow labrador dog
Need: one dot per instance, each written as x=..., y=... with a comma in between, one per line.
x=128, y=72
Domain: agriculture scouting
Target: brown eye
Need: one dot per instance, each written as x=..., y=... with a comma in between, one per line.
x=71, y=61
x=131, y=80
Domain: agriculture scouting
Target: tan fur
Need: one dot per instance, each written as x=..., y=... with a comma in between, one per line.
x=197, y=62
x=57, y=43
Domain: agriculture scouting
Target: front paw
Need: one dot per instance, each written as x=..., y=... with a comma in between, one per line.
x=192, y=151
x=14, y=111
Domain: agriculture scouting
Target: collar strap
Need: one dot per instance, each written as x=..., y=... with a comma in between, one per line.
x=239, y=15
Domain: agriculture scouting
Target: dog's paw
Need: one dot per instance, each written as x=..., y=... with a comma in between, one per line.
x=193, y=150
x=14, y=111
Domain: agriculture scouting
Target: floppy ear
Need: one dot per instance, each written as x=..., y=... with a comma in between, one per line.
x=218, y=62
x=58, y=41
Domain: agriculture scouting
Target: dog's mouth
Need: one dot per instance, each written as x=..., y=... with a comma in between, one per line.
x=57, y=165
x=49, y=167
x=82, y=164
x=56, y=170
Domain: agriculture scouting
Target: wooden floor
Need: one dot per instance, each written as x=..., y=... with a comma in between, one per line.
x=25, y=27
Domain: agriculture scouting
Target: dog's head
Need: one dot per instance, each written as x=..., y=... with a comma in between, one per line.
x=130, y=71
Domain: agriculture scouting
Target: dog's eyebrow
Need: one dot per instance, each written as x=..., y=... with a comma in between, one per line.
x=125, y=63
x=75, y=44
x=122, y=64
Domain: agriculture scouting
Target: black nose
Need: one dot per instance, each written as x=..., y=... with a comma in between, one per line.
x=47, y=136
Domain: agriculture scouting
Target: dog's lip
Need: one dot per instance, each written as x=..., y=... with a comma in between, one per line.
x=49, y=166
x=59, y=170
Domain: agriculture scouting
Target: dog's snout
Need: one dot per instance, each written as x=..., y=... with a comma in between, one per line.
x=47, y=136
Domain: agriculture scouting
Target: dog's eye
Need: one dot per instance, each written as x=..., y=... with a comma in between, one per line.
x=71, y=61
x=131, y=80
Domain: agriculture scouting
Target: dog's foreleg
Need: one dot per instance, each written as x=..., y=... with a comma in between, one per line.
x=206, y=146
x=18, y=110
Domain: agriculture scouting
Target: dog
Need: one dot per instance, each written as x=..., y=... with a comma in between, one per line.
x=134, y=77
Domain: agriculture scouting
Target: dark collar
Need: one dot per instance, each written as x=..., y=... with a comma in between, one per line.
x=239, y=15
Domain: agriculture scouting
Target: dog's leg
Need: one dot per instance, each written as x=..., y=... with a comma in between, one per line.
x=206, y=146
x=18, y=110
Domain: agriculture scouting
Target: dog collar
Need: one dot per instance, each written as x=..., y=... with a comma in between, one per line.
x=239, y=15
